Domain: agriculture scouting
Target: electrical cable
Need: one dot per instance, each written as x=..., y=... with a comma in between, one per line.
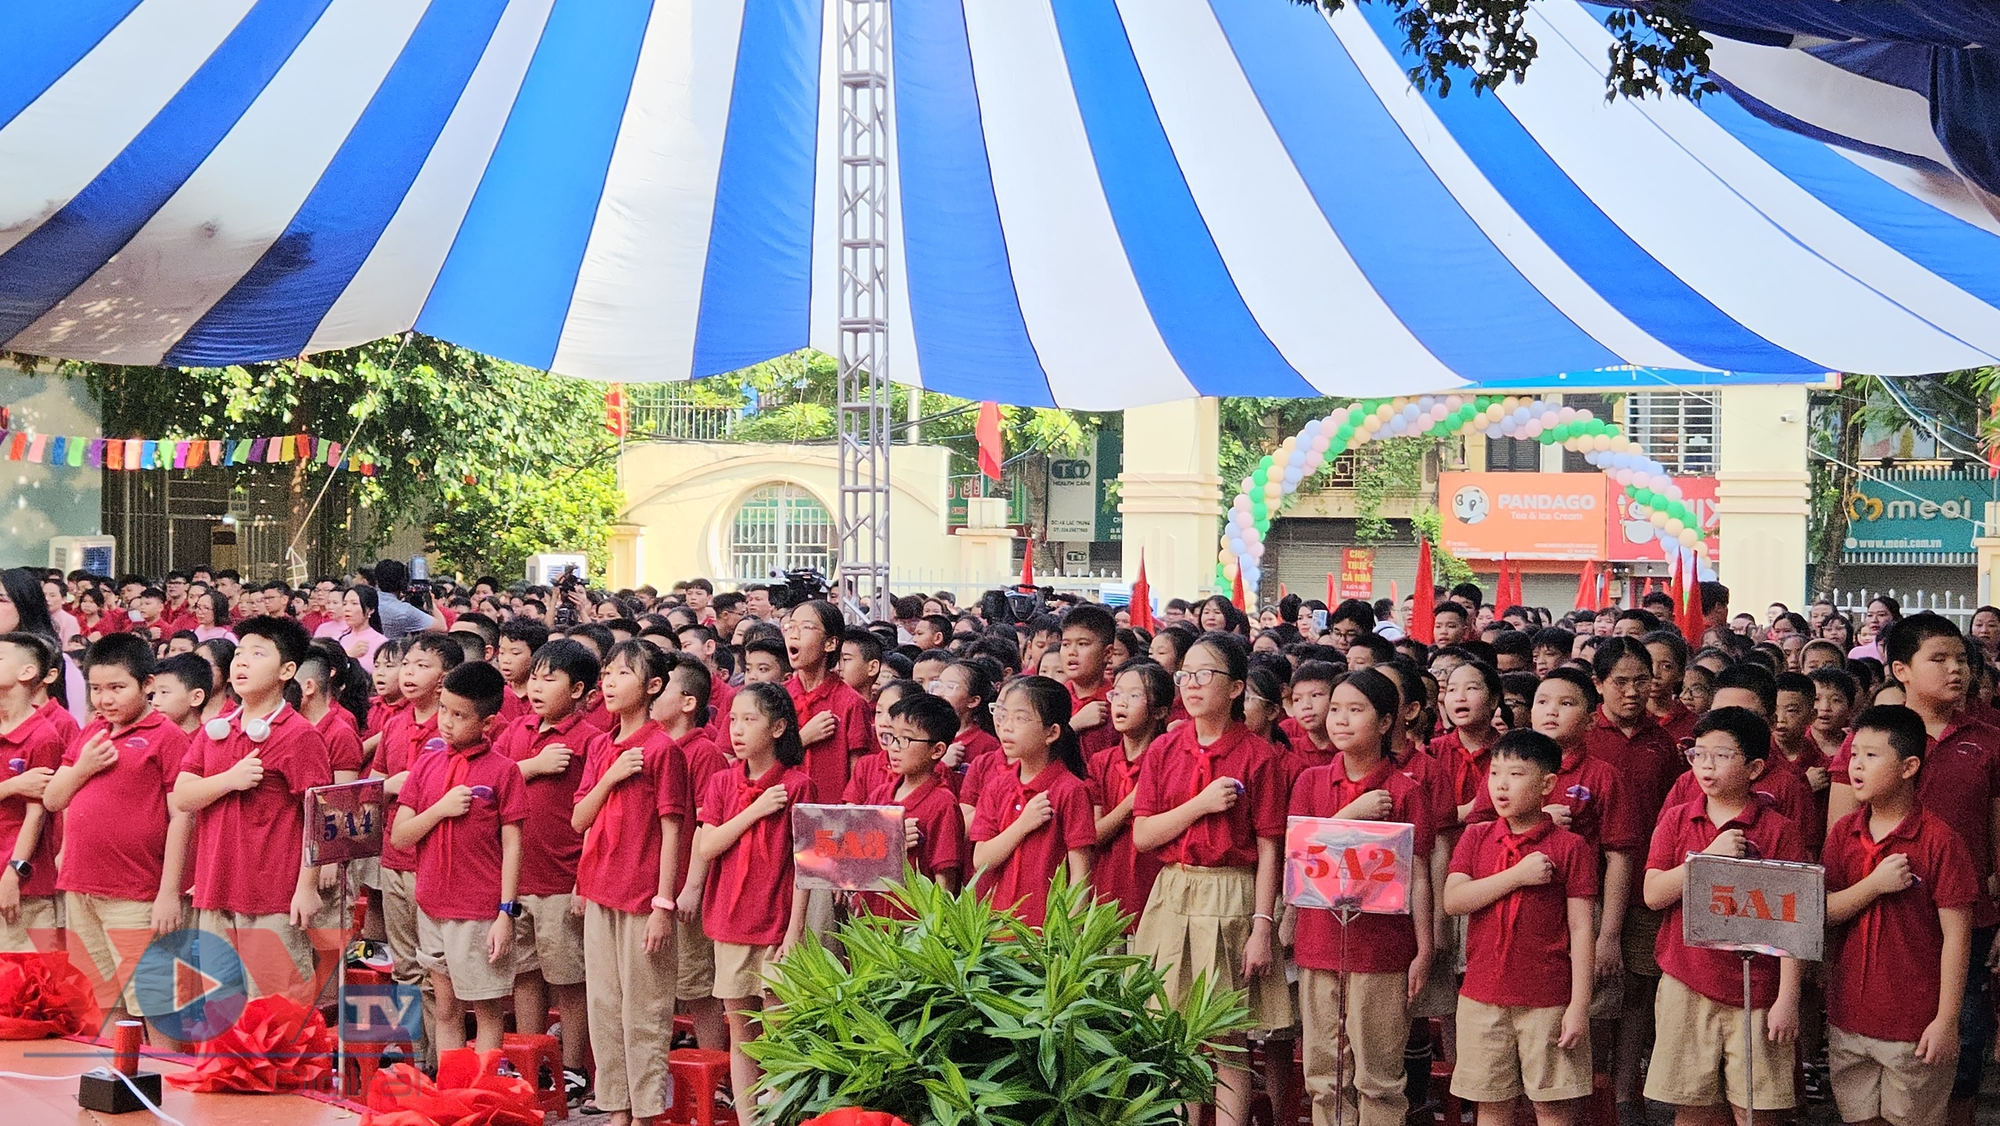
x=101, y=1073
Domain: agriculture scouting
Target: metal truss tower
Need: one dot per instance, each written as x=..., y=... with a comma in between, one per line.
x=864, y=303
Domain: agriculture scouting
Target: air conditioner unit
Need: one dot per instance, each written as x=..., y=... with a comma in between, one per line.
x=96, y=554
x=544, y=570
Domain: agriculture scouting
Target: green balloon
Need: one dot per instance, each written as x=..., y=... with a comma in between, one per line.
x=1260, y=476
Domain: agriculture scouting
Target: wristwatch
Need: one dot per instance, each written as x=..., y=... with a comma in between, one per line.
x=22, y=869
x=511, y=908
x=662, y=903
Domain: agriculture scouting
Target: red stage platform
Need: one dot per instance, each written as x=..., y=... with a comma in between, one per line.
x=47, y=1103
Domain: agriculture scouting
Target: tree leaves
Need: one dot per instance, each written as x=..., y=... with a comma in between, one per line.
x=964, y=1016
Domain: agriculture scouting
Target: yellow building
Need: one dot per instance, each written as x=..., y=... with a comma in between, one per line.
x=736, y=511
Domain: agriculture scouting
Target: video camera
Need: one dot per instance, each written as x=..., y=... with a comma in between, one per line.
x=792, y=588
x=568, y=581
x=1013, y=607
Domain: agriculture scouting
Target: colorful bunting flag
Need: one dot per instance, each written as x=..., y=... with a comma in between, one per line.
x=36, y=445
x=58, y=451
x=77, y=448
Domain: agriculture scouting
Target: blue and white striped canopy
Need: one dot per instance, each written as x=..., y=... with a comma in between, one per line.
x=1098, y=203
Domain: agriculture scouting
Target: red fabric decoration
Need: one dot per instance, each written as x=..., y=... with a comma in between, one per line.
x=276, y=1045
x=469, y=1092
x=855, y=1116
x=1586, y=587
x=1027, y=584
x=42, y=996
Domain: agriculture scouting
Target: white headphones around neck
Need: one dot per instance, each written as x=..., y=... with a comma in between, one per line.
x=257, y=730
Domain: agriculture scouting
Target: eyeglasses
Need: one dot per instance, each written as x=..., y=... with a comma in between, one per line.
x=1711, y=758
x=936, y=686
x=890, y=741
x=1198, y=678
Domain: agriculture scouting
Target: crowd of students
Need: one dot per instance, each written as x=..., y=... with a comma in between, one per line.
x=589, y=797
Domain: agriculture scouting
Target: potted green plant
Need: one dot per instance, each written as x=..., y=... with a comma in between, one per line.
x=962, y=1014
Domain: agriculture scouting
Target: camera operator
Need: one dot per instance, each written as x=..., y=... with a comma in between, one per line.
x=399, y=617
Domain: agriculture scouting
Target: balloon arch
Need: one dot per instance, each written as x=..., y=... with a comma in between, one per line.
x=1263, y=494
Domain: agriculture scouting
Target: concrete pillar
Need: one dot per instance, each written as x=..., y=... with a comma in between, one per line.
x=1988, y=549
x=1763, y=494
x=1171, y=496
x=986, y=544
x=628, y=557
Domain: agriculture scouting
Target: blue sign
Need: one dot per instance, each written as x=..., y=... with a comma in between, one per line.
x=384, y=1014
x=1917, y=516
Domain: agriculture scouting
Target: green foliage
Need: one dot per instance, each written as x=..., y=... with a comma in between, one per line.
x=965, y=1015
x=1446, y=567
x=495, y=460
x=1382, y=468
x=1658, y=49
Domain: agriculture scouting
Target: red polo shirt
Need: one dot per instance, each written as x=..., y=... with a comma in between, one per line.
x=118, y=842
x=1718, y=974
x=1177, y=767
x=979, y=771
x=1886, y=961
x=1434, y=777
x=550, y=848
x=1678, y=723
x=1104, y=736
x=1373, y=944
x=620, y=864
x=853, y=730
x=1783, y=786
x=343, y=739
x=458, y=861
x=1522, y=939
x=1648, y=759
x=37, y=743
x=1022, y=880
x=380, y=711
x=748, y=897
x=404, y=737
x=1600, y=808
x=721, y=694
x=1464, y=766
x=941, y=846
x=1959, y=782
x=60, y=721
x=1120, y=872
x=249, y=843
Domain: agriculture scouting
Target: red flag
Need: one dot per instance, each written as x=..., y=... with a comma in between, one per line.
x=1501, y=591
x=1586, y=587
x=1142, y=597
x=992, y=451
x=1028, y=567
x=615, y=418
x=1330, y=603
x=1423, y=597
x=1236, y=591
x=1649, y=587
x=1674, y=589
x=1282, y=592
x=1696, y=617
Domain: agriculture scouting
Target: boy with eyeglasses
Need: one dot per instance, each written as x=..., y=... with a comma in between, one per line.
x=1699, y=1047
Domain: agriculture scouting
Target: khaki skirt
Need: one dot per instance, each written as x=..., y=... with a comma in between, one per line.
x=1197, y=920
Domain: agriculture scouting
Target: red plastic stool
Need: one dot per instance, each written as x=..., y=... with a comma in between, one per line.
x=529, y=1054
x=1449, y=1111
x=364, y=1059
x=697, y=1076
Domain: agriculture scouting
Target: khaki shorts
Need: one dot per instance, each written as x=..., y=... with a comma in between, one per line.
x=1197, y=920
x=463, y=942
x=549, y=940
x=1642, y=932
x=1439, y=997
x=694, y=954
x=1505, y=1052
x=37, y=928
x=739, y=970
x=1698, y=1053
x=113, y=934
x=1885, y=1079
x=283, y=965
x=1607, y=996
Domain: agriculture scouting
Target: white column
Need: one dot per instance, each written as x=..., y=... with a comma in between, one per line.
x=1171, y=496
x=1763, y=494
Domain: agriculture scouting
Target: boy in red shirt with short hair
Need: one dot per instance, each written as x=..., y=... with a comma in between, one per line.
x=461, y=810
x=1900, y=888
x=1529, y=888
x=121, y=873
x=1088, y=632
x=246, y=775
x=31, y=749
x=550, y=747
x=1698, y=1048
x=922, y=727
